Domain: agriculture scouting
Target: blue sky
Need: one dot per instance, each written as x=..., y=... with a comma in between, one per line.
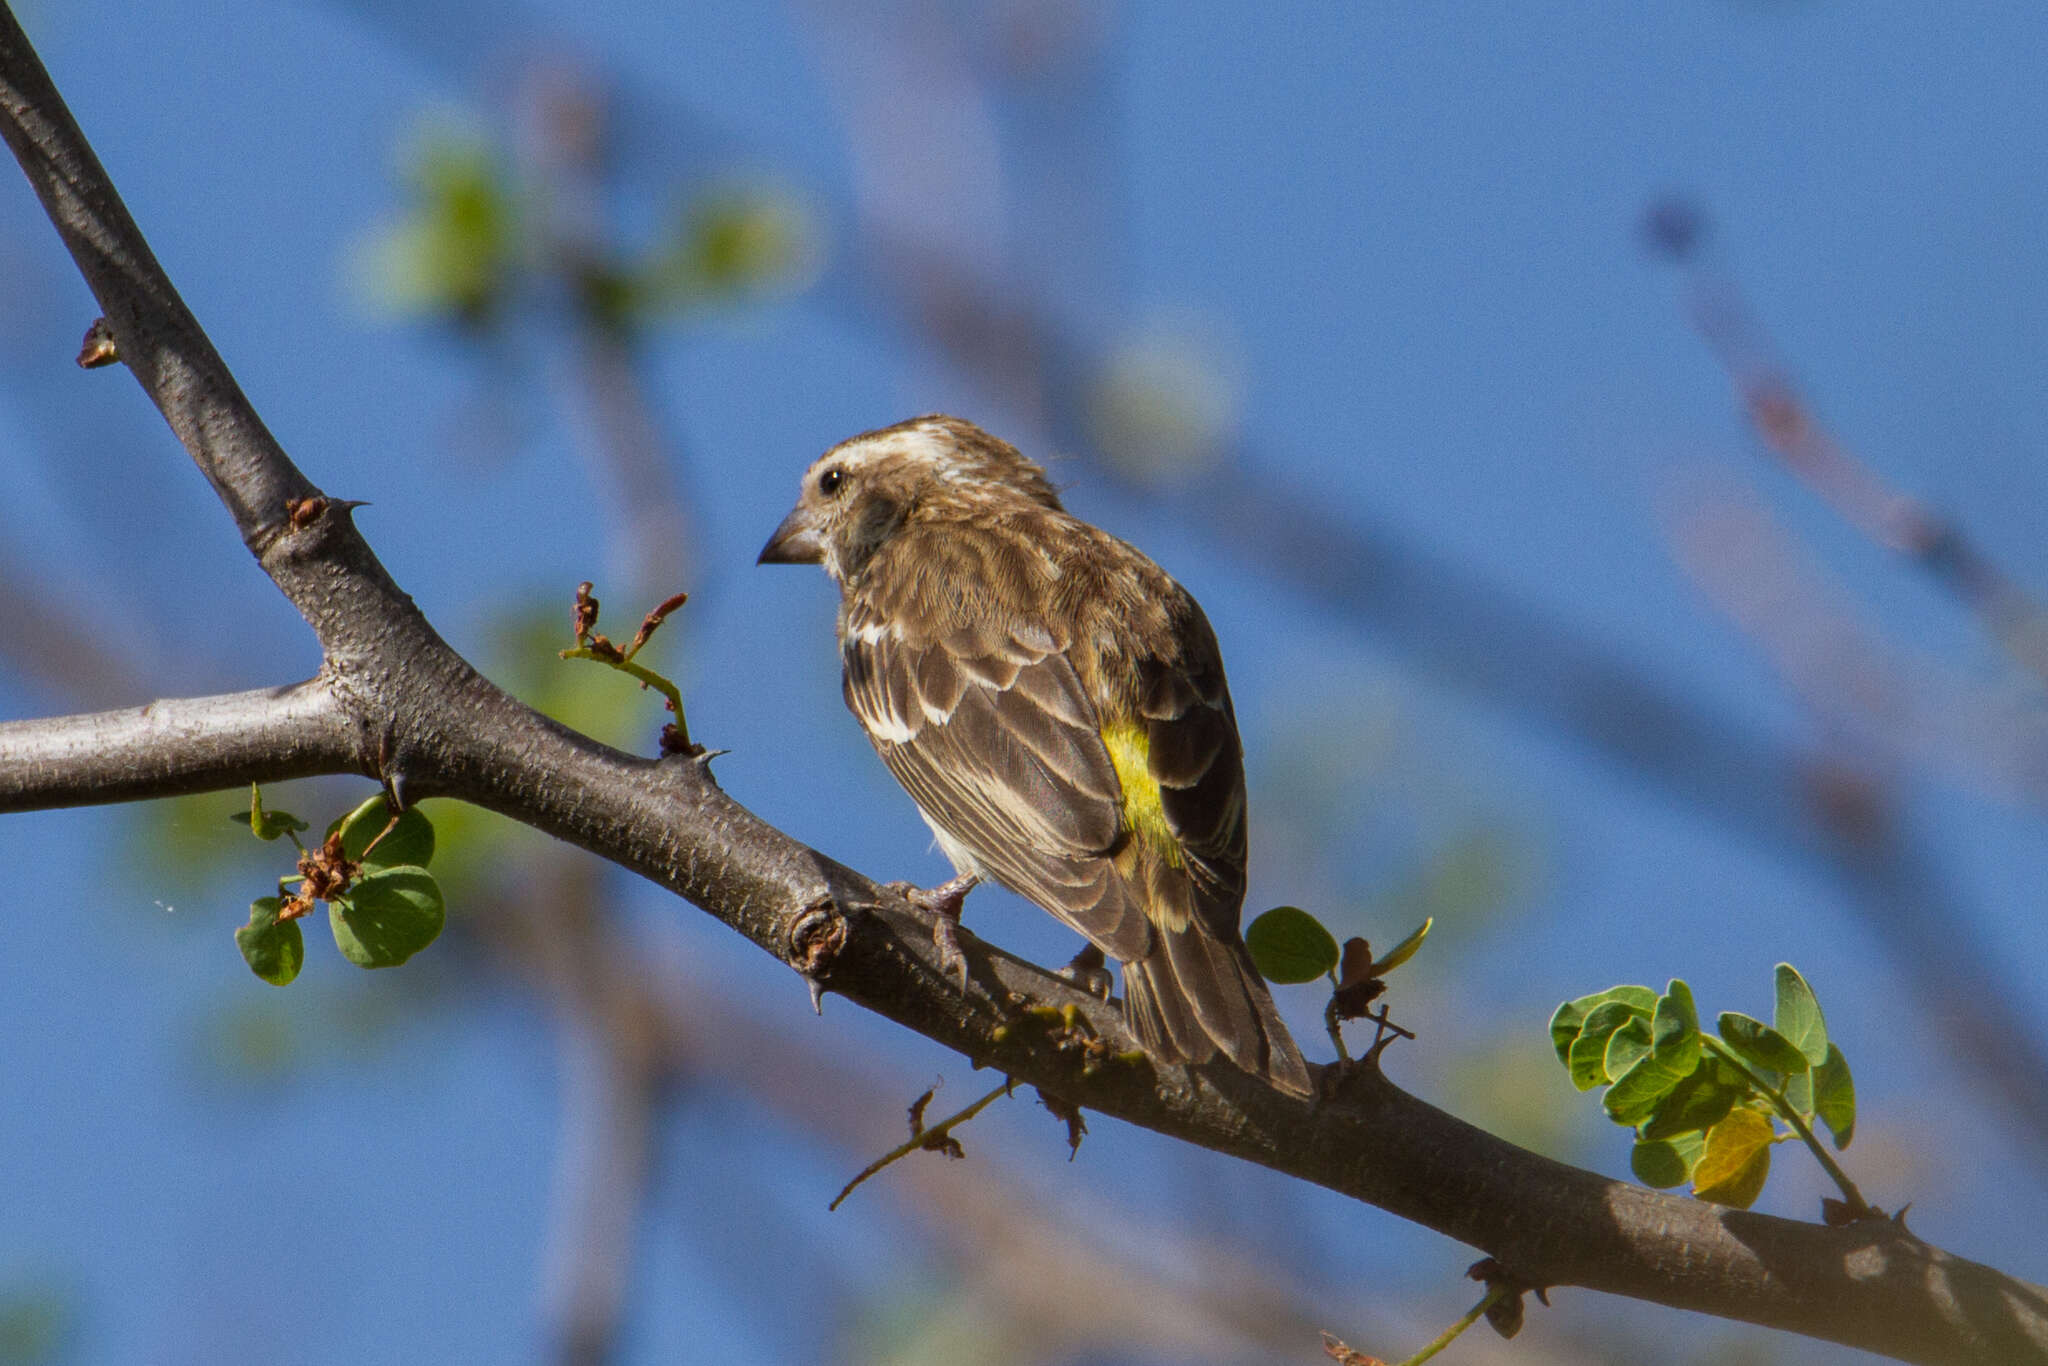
x=1408, y=232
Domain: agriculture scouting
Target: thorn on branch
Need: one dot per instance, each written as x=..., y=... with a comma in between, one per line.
x=98, y=348
x=302, y=513
x=917, y=1109
x=394, y=790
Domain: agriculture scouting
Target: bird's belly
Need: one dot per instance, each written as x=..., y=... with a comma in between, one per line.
x=959, y=855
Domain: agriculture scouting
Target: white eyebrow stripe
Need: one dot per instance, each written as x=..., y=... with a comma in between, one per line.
x=926, y=445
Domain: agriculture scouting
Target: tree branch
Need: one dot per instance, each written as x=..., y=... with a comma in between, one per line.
x=168, y=749
x=395, y=700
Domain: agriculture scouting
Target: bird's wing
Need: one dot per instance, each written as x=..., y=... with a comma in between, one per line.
x=988, y=728
x=1193, y=754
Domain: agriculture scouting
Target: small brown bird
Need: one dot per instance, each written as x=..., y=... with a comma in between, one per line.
x=1055, y=704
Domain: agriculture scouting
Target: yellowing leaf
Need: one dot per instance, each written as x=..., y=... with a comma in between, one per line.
x=1404, y=950
x=1738, y=1158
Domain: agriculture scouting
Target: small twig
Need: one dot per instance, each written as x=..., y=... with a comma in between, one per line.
x=653, y=620
x=1494, y=1294
x=675, y=736
x=1346, y=1355
x=1360, y=979
x=1859, y=1208
x=938, y=1138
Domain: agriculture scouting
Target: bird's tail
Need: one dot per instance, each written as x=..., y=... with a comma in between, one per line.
x=1195, y=995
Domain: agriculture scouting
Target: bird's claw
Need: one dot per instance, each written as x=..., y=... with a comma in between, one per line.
x=952, y=959
x=943, y=903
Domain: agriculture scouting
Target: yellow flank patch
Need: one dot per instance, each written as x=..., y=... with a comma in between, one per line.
x=1130, y=753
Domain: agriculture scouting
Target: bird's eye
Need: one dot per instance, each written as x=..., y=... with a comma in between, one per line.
x=831, y=481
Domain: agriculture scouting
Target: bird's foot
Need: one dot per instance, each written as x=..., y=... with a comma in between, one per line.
x=1089, y=971
x=943, y=903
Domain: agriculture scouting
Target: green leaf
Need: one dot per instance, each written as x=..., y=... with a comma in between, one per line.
x=1834, y=1096
x=1587, y=1058
x=266, y=825
x=1587, y=1061
x=1571, y=1017
x=1404, y=950
x=1675, y=1028
x=1638, y=1092
x=1760, y=1044
x=1798, y=1016
x=1665, y=1162
x=410, y=843
x=1798, y=1091
x=1289, y=945
x=387, y=916
x=1626, y=1047
x=1737, y=1159
x=1696, y=1104
x=274, y=950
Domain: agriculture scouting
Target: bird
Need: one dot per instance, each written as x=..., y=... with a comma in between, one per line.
x=1055, y=705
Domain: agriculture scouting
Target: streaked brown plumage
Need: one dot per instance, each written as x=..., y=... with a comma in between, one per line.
x=1056, y=706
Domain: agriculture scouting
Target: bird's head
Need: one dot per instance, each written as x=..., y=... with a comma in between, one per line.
x=858, y=493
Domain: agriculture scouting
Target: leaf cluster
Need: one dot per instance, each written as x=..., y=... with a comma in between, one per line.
x=383, y=906
x=1705, y=1108
x=1289, y=946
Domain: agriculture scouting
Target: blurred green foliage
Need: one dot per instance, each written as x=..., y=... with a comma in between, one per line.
x=1164, y=406
x=454, y=251
x=474, y=238
x=36, y=1321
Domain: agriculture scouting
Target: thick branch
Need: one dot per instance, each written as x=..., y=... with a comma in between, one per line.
x=167, y=749
x=1871, y=1285
x=393, y=691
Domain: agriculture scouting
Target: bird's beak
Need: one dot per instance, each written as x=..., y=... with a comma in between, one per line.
x=796, y=541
